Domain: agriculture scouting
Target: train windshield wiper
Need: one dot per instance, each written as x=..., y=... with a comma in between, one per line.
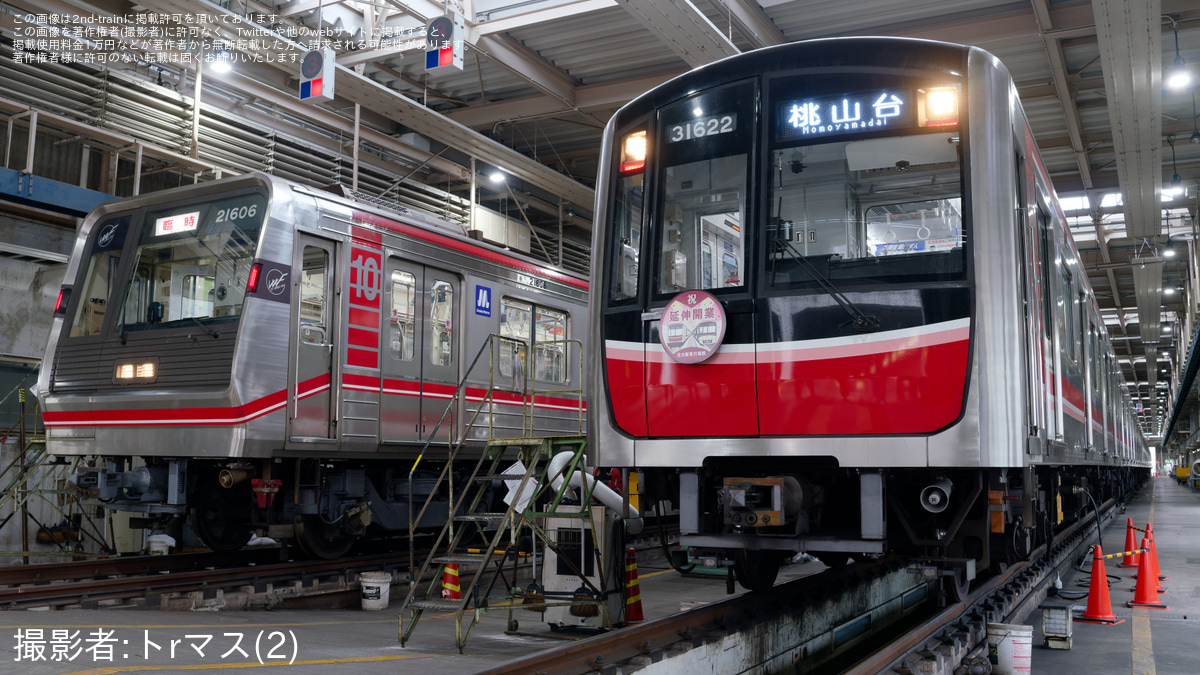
x=208, y=330
x=863, y=323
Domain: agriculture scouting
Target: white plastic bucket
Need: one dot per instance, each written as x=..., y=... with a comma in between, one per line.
x=376, y=587
x=1010, y=648
x=160, y=544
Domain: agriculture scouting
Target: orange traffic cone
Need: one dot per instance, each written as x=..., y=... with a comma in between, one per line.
x=1130, y=545
x=1099, y=606
x=1145, y=594
x=450, y=590
x=1154, y=556
x=633, y=591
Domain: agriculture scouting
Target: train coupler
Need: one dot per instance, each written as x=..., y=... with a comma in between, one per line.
x=265, y=490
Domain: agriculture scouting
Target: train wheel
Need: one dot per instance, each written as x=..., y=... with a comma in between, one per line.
x=1022, y=541
x=319, y=540
x=219, y=519
x=756, y=570
x=956, y=585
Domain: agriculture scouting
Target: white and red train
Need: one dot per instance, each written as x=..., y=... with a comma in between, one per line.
x=837, y=309
x=261, y=355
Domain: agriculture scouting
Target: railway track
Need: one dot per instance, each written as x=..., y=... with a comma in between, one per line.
x=92, y=582
x=88, y=583
x=947, y=636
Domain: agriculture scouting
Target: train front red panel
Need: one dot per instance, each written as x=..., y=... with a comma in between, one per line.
x=712, y=398
x=910, y=381
x=898, y=382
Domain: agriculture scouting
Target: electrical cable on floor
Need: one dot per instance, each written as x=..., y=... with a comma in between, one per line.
x=1086, y=581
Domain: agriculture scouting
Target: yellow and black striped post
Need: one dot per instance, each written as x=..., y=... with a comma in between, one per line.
x=1119, y=555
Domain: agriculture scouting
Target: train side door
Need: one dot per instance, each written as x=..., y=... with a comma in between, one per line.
x=439, y=354
x=400, y=416
x=419, y=362
x=312, y=409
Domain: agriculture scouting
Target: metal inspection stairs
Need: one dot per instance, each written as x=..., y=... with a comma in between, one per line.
x=523, y=464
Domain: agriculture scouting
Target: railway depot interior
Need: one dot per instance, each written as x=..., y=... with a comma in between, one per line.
x=729, y=387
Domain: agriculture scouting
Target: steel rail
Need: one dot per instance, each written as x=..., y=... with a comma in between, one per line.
x=98, y=568
x=879, y=661
x=133, y=586
x=594, y=653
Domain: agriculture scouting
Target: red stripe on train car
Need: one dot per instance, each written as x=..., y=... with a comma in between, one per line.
x=362, y=358
x=907, y=391
x=363, y=337
x=216, y=416
x=364, y=317
x=469, y=249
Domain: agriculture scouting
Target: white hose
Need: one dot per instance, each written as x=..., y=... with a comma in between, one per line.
x=606, y=495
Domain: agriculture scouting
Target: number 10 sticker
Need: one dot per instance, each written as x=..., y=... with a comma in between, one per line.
x=692, y=326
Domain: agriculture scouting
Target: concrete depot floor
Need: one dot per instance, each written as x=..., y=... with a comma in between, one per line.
x=1150, y=641
x=353, y=641
x=339, y=641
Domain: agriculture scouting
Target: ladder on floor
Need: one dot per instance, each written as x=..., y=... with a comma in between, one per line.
x=522, y=463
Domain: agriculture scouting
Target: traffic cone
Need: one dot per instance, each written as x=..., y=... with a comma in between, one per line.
x=1099, y=606
x=633, y=591
x=450, y=590
x=1154, y=556
x=1145, y=594
x=1130, y=545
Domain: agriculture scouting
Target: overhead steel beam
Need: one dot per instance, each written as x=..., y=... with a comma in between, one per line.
x=1131, y=56
x=524, y=63
x=683, y=28
x=588, y=98
x=1147, y=282
x=325, y=118
x=356, y=88
x=374, y=96
x=752, y=22
x=562, y=11
x=1066, y=97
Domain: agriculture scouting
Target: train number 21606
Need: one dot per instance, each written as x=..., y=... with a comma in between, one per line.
x=235, y=213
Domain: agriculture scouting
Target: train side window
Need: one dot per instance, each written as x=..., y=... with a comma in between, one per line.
x=546, y=329
x=404, y=309
x=441, y=310
x=1044, y=248
x=98, y=280
x=627, y=221
x=549, y=350
x=1067, y=309
x=312, y=295
x=515, y=322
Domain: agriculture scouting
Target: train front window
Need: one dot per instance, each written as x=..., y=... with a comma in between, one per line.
x=864, y=185
x=192, y=264
x=100, y=276
x=703, y=165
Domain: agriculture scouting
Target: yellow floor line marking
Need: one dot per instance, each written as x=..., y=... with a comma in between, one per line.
x=112, y=670
x=1143, y=646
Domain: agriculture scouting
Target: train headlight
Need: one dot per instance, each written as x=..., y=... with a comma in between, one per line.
x=135, y=373
x=633, y=152
x=938, y=107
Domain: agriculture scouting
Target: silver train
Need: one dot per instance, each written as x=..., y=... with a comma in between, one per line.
x=263, y=356
x=837, y=309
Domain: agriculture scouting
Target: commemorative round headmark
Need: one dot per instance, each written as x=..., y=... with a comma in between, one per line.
x=692, y=326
